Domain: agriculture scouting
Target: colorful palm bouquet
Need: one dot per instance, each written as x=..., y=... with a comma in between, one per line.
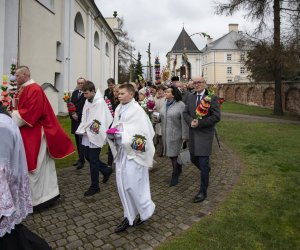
x=67, y=99
x=108, y=102
x=204, y=105
x=5, y=98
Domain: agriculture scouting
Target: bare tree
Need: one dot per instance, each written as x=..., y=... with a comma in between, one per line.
x=260, y=10
x=125, y=52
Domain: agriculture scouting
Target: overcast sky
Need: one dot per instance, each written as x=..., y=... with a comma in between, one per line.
x=161, y=21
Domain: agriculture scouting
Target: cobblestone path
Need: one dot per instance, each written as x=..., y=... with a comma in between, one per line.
x=76, y=222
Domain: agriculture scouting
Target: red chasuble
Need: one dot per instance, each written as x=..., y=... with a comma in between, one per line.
x=36, y=111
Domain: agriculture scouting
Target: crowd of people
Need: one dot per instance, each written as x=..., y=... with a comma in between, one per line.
x=136, y=119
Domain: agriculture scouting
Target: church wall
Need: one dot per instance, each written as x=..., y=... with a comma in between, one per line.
x=40, y=30
x=96, y=67
x=79, y=48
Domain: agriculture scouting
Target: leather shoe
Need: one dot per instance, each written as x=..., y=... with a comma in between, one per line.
x=138, y=221
x=91, y=192
x=199, y=197
x=80, y=165
x=174, y=180
x=106, y=176
x=122, y=227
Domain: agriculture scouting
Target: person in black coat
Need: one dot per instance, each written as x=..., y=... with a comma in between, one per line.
x=109, y=93
x=201, y=131
x=78, y=100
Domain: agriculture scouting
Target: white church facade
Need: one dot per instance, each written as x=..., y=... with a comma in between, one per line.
x=59, y=41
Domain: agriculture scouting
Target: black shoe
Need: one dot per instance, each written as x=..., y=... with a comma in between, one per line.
x=122, y=227
x=138, y=221
x=174, y=180
x=199, y=197
x=80, y=165
x=91, y=192
x=106, y=176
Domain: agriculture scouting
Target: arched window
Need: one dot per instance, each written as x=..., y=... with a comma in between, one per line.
x=107, y=49
x=78, y=24
x=96, y=40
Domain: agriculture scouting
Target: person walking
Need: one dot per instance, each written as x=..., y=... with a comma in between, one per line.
x=78, y=100
x=174, y=129
x=201, y=131
x=133, y=150
x=96, y=119
x=15, y=199
x=44, y=138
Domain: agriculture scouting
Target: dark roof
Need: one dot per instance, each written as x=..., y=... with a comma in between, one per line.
x=184, y=42
x=226, y=42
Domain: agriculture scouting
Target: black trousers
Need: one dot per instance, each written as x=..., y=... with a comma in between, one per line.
x=202, y=163
x=80, y=147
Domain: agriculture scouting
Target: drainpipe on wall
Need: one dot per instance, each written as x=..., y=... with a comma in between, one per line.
x=19, y=32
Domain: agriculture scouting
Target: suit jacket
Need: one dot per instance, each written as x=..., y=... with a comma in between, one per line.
x=79, y=103
x=201, y=137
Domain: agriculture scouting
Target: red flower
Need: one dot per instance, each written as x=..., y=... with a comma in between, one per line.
x=71, y=107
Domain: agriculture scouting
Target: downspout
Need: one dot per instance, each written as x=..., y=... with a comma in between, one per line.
x=19, y=32
x=114, y=61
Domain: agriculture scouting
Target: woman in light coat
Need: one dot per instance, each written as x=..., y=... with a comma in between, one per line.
x=174, y=129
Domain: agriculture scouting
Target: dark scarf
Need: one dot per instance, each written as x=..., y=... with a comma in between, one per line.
x=169, y=103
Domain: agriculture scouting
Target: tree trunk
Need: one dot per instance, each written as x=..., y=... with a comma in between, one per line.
x=277, y=59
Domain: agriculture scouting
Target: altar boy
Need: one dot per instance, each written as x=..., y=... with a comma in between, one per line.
x=95, y=120
x=133, y=149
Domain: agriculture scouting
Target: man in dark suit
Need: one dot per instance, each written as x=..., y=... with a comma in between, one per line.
x=78, y=100
x=109, y=93
x=201, y=132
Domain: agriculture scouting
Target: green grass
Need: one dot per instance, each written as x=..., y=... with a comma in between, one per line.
x=238, y=108
x=262, y=211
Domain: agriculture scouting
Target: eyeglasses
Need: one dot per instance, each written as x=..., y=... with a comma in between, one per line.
x=198, y=82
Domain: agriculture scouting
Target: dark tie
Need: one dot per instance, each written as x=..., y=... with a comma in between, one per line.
x=79, y=94
x=198, y=100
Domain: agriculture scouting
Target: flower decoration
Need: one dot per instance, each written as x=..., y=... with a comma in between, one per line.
x=108, y=102
x=67, y=99
x=220, y=101
x=157, y=70
x=5, y=98
x=150, y=105
x=204, y=105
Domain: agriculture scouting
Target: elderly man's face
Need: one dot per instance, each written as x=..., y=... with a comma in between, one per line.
x=21, y=76
x=199, y=84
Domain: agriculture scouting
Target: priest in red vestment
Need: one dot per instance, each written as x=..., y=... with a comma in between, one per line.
x=44, y=139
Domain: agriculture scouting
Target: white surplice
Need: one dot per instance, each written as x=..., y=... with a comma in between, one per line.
x=132, y=167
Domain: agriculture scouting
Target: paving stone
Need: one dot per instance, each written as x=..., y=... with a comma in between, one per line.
x=77, y=222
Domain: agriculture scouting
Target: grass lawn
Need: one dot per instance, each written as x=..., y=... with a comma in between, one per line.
x=262, y=211
x=237, y=108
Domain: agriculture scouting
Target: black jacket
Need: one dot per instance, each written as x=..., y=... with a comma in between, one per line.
x=79, y=103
